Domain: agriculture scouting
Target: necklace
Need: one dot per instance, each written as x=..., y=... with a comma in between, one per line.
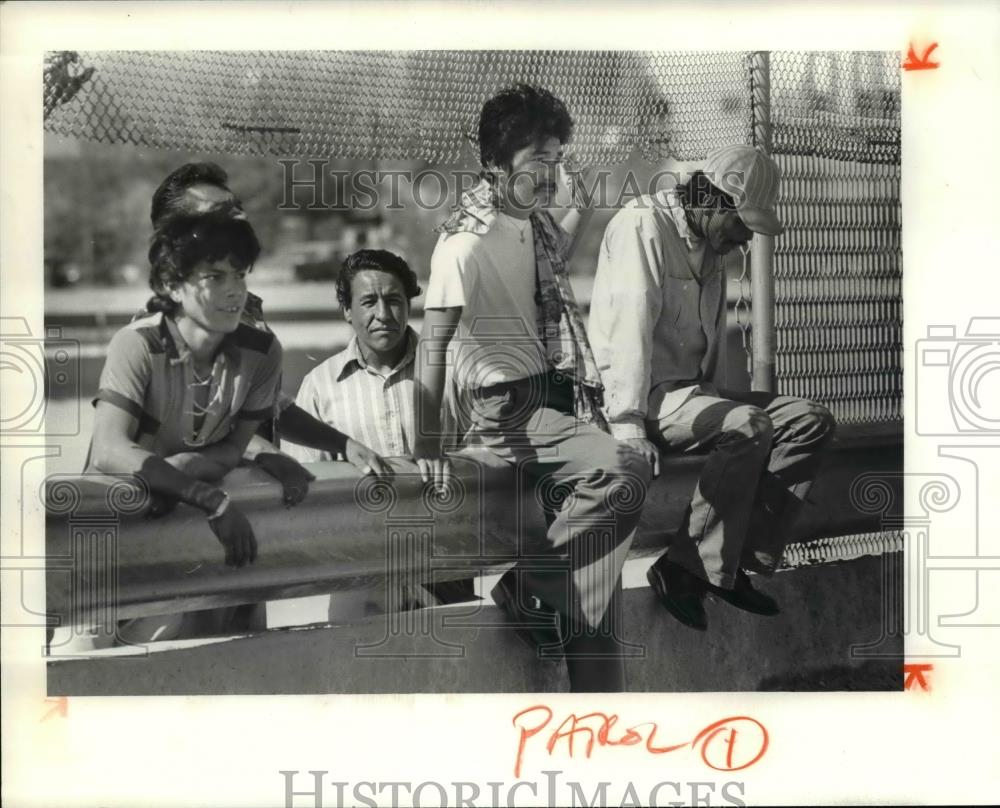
x=200, y=381
x=521, y=230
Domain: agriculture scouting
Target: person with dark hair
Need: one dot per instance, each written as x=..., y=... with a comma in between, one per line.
x=366, y=390
x=198, y=188
x=657, y=320
x=499, y=304
x=194, y=188
x=183, y=388
x=376, y=261
x=518, y=117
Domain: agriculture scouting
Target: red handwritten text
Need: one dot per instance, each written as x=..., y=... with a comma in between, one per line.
x=914, y=62
x=914, y=676
x=729, y=744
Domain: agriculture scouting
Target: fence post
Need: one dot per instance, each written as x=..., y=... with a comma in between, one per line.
x=762, y=249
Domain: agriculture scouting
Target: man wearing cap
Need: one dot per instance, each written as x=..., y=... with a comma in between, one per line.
x=657, y=322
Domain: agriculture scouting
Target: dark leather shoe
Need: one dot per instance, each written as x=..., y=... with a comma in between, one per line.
x=681, y=593
x=744, y=596
x=535, y=623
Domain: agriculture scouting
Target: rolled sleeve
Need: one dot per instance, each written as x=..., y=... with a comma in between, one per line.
x=452, y=273
x=126, y=372
x=627, y=427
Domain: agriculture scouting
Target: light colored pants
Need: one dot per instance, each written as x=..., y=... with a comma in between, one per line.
x=764, y=452
x=590, y=487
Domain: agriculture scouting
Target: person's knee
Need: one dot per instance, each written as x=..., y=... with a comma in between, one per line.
x=626, y=476
x=748, y=424
x=820, y=423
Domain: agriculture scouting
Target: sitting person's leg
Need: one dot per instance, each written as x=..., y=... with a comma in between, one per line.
x=705, y=554
x=592, y=488
x=801, y=431
x=738, y=439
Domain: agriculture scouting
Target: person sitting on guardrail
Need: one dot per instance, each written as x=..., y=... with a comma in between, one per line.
x=184, y=388
x=197, y=188
x=499, y=310
x=657, y=320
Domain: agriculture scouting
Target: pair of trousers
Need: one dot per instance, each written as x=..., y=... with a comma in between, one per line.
x=590, y=487
x=764, y=452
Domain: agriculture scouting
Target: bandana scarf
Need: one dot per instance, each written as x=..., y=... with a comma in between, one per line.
x=560, y=326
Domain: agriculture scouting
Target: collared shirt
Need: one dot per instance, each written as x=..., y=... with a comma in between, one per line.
x=149, y=373
x=353, y=397
x=657, y=314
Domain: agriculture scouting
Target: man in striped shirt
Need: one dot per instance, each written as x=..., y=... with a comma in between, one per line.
x=366, y=390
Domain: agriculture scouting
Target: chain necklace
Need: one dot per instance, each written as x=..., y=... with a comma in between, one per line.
x=199, y=380
x=520, y=230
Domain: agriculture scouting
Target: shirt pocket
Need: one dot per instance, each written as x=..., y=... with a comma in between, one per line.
x=681, y=303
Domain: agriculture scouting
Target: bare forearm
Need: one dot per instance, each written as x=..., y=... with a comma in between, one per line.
x=428, y=392
x=440, y=326
x=575, y=224
x=300, y=427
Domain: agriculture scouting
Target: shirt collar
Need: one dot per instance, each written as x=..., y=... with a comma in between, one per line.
x=350, y=359
x=674, y=206
x=177, y=348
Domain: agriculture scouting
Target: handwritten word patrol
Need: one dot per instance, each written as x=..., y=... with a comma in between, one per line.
x=730, y=744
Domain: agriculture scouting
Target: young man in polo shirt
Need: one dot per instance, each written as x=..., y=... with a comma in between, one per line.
x=657, y=320
x=201, y=188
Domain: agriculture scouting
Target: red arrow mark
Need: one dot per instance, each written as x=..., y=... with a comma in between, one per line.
x=914, y=62
x=915, y=676
x=61, y=704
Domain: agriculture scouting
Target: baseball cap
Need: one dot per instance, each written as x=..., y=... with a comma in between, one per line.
x=751, y=178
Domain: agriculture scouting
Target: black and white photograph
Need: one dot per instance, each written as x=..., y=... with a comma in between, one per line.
x=525, y=376
x=394, y=365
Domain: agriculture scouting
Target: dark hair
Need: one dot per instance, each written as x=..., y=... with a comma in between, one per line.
x=517, y=117
x=182, y=241
x=381, y=260
x=169, y=193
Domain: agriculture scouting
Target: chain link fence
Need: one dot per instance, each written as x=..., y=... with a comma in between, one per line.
x=393, y=105
x=835, y=132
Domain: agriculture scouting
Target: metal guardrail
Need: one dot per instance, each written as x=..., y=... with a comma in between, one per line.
x=106, y=560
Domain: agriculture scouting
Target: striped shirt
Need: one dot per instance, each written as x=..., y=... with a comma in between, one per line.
x=359, y=401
